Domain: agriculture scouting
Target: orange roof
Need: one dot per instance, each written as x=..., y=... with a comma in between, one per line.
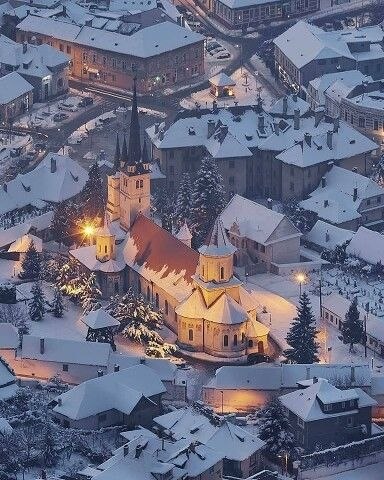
x=158, y=249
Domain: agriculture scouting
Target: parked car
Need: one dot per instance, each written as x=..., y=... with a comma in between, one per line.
x=223, y=55
x=59, y=117
x=217, y=50
x=212, y=45
x=40, y=146
x=255, y=358
x=85, y=101
x=67, y=106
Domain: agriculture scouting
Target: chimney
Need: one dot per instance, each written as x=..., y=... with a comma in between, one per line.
x=336, y=124
x=315, y=379
x=318, y=116
x=277, y=128
x=294, y=97
x=116, y=367
x=53, y=165
x=157, y=125
x=326, y=203
x=59, y=402
x=100, y=373
x=308, y=139
x=269, y=203
x=138, y=451
x=5, y=187
x=214, y=106
x=260, y=122
x=25, y=47
x=161, y=134
x=296, y=119
x=285, y=105
x=354, y=194
x=126, y=449
x=42, y=346
x=329, y=139
x=211, y=127
x=327, y=237
x=323, y=182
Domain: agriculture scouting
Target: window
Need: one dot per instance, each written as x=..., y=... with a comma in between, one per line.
x=262, y=248
x=221, y=273
x=148, y=294
x=231, y=164
x=85, y=56
x=141, y=183
x=190, y=335
x=157, y=300
x=362, y=122
x=225, y=341
x=235, y=340
x=378, y=200
x=137, y=184
x=243, y=337
x=105, y=249
x=343, y=405
x=65, y=367
x=61, y=47
x=376, y=125
x=300, y=422
x=166, y=307
x=328, y=407
x=350, y=421
x=368, y=201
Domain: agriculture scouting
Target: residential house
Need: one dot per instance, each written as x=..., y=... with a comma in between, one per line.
x=240, y=449
x=128, y=397
x=262, y=236
x=62, y=177
x=367, y=245
x=16, y=97
x=9, y=337
x=8, y=381
x=325, y=236
x=334, y=309
x=38, y=226
x=45, y=68
x=305, y=52
x=347, y=200
x=322, y=415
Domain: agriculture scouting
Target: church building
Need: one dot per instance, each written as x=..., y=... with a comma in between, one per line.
x=201, y=299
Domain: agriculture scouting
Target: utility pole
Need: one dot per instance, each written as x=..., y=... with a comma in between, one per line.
x=365, y=329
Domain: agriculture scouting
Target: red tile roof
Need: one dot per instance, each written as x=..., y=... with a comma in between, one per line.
x=157, y=248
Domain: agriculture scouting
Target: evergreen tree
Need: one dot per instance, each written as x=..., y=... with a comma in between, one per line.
x=90, y=294
x=352, y=328
x=274, y=429
x=37, y=303
x=302, y=335
x=183, y=201
x=92, y=195
x=64, y=223
x=48, y=446
x=57, y=304
x=31, y=264
x=207, y=200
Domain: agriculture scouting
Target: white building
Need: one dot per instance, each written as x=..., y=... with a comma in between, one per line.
x=325, y=236
x=367, y=245
x=347, y=199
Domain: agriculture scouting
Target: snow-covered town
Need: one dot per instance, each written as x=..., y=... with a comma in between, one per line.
x=191, y=240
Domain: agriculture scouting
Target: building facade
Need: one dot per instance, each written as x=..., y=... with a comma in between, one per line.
x=113, y=59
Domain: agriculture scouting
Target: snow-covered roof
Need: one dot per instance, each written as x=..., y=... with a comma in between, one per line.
x=328, y=236
x=9, y=336
x=273, y=377
x=367, y=245
x=8, y=386
x=256, y=222
x=99, y=319
x=218, y=244
x=13, y=86
x=31, y=60
x=165, y=369
x=339, y=305
x=120, y=391
x=65, y=351
x=304, y=402
x=304, y=42
x=286, y=106
x=338, y=199
x=222, y=80
x=184, y=233
x=147, y=42
x=229, y=440
x=60, y=183
x=5, y=427
x=22, y=244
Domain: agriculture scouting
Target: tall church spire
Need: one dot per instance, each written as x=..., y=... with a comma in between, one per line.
x=134, y=148
x=124, y=152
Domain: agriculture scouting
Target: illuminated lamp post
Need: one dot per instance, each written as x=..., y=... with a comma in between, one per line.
x=301, y=279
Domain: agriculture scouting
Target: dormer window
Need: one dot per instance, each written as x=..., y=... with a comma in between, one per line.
x=328, y=407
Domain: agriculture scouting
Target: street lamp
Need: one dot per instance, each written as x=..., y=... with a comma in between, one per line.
x=365, y=329
x=301, y=278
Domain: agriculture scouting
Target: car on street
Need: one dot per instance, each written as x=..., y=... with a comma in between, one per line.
x=223, y=55
x=40, y=146
x=85, y=101
x=59, y=117
x=255, y=358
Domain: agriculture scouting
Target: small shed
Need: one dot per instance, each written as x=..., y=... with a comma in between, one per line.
x=221, y=85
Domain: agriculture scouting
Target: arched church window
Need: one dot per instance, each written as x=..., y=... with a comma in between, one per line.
x=157, y=300
x=105, y=249
x=190, y=335
x=221, y=273
x=166, y=307
x=225, y=340
x=141, y=183
x=243, y=337
x=137, y=183
x=235, y=340
x=148, y=294
x=250, y=343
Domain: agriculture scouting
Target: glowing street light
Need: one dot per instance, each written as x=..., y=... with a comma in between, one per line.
x=300, y=279
x=88, y=230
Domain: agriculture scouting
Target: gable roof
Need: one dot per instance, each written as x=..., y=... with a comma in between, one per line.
x=13, y=86
x=159, y=256
x=367, y=245
x=222, y=80
x=99, y=319
x=121, y=391
x=255, y=221
x=9, y=336
x=328, y=236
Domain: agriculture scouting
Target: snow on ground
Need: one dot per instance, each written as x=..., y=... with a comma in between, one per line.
x=371, y=472
x=246, y=91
